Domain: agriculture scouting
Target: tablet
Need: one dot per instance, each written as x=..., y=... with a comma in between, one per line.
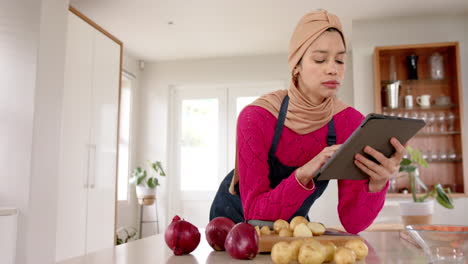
x=375, y=131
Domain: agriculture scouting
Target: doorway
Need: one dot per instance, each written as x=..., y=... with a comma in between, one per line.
x=203, y=127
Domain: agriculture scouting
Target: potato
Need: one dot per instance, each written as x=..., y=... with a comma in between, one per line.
x=296, y=221
x=280, y=224
x=316, y=228
x=313, y=241
x=359, y=247
x=265, y=230
x=281, y=253
x=344, y=255
x=302, y=230
x=258, y=231
x=330, y=249
x=285, y=233
x=310, y=254
x=295, y=246
x=316, y=244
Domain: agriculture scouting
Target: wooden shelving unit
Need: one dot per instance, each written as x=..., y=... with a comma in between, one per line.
x=441, y=140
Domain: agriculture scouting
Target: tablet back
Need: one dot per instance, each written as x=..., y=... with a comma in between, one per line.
x=375, y=131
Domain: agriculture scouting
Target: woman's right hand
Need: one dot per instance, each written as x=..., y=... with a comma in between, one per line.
x=306, y=173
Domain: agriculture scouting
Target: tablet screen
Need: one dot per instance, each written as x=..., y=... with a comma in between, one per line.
x=375, y=131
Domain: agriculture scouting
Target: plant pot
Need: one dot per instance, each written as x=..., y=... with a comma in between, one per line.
x=413, y=213
x=145, y=195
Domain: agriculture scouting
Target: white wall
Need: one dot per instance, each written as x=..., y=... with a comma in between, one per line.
x=369, y=34
x=154, y=103
x=31, y=67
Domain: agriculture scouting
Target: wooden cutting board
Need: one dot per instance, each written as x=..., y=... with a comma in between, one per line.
x=339, y=238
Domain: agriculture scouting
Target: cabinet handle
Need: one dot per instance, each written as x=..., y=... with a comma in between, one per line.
x=86, y=173
x=92, y=174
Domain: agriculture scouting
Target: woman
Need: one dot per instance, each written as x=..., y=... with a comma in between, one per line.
x=284, y=137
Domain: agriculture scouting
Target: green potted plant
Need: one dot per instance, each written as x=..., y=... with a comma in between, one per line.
x=126, y=234
x=420, y=209
x=146, y=181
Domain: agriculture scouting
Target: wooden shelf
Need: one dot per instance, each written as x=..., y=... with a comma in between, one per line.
x=449, y=133
x=444, y=161
x=417, y=108
x=447, y=172
x=422, y=81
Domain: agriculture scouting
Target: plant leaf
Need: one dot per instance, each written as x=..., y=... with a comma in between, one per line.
x=136, y=172
x=405, y=162
x=153, y=166
x=140, y=179
x=443, y=198
x=416, y=157
x=152, y=182
x=162, y=173
x=157, y=167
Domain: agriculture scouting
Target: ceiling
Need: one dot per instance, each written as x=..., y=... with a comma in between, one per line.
x=218, y=28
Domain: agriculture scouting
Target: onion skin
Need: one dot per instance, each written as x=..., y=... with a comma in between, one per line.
x=216, y=232
x=242, y=241
x=181, y=236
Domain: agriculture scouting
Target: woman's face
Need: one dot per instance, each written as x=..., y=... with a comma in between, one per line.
x=322, y=67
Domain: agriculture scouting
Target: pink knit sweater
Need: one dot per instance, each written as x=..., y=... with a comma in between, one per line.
x=357, y=207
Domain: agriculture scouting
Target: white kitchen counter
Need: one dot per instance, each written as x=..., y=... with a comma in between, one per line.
x=385, y=247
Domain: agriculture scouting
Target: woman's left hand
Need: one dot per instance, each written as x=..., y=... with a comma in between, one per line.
x=380, y=173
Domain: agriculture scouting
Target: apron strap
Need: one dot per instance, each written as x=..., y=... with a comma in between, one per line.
x=279, y=125
x=331, y=136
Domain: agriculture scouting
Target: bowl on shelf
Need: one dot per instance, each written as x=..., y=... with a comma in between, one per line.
x=442, y=243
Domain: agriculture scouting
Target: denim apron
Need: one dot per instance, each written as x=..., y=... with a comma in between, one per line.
x=230, y=206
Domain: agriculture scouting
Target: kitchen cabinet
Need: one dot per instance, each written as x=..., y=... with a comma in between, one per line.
x=433, y=78
x=87, y=184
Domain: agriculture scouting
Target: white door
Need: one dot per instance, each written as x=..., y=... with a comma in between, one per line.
x=103, y=140
x=73, y=179
x=204, y=143
x=200, y=129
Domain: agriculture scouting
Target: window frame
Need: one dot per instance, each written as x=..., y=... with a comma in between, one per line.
x=132, y=79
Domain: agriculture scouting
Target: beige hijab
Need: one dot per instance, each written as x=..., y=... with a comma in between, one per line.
x=303, y=116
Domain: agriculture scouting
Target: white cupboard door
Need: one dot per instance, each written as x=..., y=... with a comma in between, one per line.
x=102, y=177
x=71, y=217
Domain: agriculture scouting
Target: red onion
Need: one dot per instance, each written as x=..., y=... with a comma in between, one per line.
x=181, y=236
x=216, y=232
x=242, y=241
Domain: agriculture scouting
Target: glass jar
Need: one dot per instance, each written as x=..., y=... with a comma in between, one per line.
x=436, y=62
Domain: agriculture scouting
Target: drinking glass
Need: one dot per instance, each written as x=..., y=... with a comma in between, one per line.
x=451, y=121
x=442, y=155
x=431, y=122
x=423, y=116
x=452, y=155
x=434, y=155
x=441, y=120
x=428, y=155
x=425, y=154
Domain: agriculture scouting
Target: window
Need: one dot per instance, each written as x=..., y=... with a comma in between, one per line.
x=199, y=144
x=124, y=137
x=204, y=124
